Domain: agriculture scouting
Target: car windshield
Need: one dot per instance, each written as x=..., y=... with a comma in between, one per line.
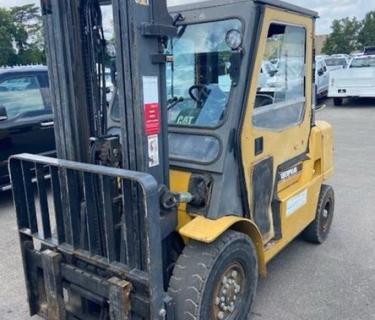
x=335, y=62
x=198, y=80
x=19, y=95
x=363, y=62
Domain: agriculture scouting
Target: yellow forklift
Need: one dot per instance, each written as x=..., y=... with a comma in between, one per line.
x=169, y=203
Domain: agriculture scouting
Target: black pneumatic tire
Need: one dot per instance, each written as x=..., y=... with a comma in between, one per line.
x=318, y=230
x=204, y=271
x=338, y=101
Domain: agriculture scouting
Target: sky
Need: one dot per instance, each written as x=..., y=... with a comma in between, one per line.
x=328, y=9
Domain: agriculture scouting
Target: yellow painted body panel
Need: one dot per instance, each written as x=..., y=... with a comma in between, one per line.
x=314, y=172
x=284, y=144
x=288, y=182
x=292, y=225
x=207, y=231
x=179, y=182
x=327, y=148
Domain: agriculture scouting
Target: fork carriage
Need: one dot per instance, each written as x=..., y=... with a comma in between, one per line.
x=100, y=253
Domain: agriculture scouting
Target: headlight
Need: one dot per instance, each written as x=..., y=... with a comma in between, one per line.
x=233, y=39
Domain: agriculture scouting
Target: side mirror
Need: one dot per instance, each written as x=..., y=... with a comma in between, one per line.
x=320, y=72
x=3, y=113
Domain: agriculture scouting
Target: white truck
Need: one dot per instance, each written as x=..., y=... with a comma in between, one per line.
x=321, y=78
x=358, y=80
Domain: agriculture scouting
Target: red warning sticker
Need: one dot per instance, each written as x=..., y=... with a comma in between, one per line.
x=152, y=118
x=151, y=105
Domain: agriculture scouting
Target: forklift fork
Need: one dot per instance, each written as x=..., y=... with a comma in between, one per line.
x=69, y=278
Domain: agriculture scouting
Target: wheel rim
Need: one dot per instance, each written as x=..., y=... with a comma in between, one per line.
x=228, y=293
x=326, y=217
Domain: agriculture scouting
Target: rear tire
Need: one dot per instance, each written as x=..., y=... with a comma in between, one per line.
x=215, y=281
x=338, y=101
x=317, y=232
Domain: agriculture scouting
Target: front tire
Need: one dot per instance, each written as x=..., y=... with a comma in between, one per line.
x=317, y=232
x=215, y=281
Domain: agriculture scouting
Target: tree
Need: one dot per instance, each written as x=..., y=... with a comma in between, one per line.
x=7, y=52
x=344, y=36
x=28, y=34
x=366, y=36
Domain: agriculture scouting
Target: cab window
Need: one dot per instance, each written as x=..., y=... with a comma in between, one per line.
x=280, y=100
x=21, y=95
x=198, y=79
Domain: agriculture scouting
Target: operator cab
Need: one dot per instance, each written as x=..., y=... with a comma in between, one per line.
x=209, y=85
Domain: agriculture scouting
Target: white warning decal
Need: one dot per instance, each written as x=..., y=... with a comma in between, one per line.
x=296, y=202
x=153, y=151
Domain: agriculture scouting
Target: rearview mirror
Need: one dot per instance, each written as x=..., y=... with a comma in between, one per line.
x=3, y=113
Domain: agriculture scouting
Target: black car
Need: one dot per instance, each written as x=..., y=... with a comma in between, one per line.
x=26, y=119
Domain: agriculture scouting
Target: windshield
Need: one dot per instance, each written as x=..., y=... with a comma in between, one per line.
x=333, y=62
x=20, y=95
x=198, y=80
x=363, y=62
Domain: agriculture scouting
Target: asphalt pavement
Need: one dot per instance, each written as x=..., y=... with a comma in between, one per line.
x=335, y=281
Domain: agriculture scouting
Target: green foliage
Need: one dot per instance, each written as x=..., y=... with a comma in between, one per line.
x=21, y=36
x=349, y=35
x=7, y=51
x=344, y=36
x=367, y=34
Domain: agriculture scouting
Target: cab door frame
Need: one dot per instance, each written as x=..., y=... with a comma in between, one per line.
x=273, y=149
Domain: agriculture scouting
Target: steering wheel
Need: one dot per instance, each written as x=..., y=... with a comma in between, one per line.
x=199, y=92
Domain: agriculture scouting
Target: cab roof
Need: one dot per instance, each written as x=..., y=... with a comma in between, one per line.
x=274, y=3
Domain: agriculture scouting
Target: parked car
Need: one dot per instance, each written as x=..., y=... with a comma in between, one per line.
x=322, y=56
x=358, y=80
x=267, y=71
x=321, y=78
x=26, y=119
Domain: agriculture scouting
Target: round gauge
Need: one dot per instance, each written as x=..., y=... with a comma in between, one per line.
x=233, y=39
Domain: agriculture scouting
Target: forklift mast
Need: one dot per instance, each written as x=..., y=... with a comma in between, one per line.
x=76, y=57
